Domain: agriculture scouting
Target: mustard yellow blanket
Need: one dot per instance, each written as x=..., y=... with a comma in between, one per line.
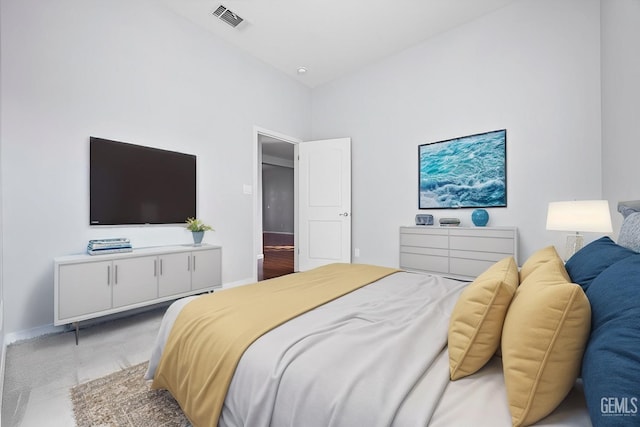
x=212, y=332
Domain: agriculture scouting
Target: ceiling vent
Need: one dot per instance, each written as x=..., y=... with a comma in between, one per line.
x=227, y=16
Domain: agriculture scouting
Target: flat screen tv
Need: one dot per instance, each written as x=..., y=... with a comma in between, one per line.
x=131, y=184
x=465, y=172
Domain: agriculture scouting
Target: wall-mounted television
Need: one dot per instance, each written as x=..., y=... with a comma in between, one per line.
x=131, y=184
x=465, y=172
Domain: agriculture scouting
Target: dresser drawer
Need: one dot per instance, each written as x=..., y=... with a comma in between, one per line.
x=424, y=251
x=425, y=240
x=436, y=264
x=468, y=267
x=491, y=257
x=484, y=244
x=505, y=233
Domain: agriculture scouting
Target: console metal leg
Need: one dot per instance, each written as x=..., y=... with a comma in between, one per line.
x=77, y=326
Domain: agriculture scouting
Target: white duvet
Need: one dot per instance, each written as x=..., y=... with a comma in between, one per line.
x=375, y=357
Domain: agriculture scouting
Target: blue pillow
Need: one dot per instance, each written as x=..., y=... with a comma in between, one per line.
x=611, y=363
x=591, y=260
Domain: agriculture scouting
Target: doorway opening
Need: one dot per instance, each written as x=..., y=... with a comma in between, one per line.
x=276, y=205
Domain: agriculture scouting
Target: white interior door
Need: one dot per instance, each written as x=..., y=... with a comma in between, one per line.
x=324, y=202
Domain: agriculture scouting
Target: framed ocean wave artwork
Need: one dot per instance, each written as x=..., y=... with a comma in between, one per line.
x=465, y=172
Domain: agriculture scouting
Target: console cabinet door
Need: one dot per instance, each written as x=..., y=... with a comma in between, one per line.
x=134, y=280
x=84, y=288
x=174, y=276
x=206, y=268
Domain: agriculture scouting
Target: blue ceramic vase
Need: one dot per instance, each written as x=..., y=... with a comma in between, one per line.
x=480, y=217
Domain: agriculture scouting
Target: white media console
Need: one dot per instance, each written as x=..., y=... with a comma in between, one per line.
x=86, y=286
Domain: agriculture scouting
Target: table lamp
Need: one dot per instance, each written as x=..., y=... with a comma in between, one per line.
x=577, y=216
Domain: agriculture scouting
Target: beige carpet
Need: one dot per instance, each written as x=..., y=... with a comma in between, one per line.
x=125, y=399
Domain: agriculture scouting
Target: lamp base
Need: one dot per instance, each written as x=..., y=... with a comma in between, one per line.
x=574, y=244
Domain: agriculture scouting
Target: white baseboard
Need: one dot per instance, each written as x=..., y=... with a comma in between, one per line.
x=28, y=334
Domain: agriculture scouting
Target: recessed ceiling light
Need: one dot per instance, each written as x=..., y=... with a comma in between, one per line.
x=302, y=70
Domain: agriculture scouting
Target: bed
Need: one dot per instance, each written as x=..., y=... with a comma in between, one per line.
x=517, y=346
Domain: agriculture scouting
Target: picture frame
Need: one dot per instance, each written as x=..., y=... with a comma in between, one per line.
x=464, y=172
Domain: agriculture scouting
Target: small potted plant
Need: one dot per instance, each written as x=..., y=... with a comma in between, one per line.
x=197, y=229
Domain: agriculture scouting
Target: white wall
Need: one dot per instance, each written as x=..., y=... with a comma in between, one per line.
x=129, y=70
x=532, y=67
x=620, y=106
x=134, y=71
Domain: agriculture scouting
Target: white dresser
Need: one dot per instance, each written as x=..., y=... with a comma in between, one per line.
x=458, y=252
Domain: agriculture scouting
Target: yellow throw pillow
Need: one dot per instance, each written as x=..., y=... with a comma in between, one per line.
x=538, y=258
x=543, y=340
x=476, y=322
x=550, y=273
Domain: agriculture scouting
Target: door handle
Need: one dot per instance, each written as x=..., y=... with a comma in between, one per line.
x=344, y=214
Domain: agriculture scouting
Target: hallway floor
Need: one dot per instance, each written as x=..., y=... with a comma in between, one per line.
x=278, y=255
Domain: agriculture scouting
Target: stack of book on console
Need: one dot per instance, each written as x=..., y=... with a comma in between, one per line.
x=109, y=246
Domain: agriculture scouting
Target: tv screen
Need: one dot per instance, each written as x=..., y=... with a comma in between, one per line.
x=465, y=172
x=131, y=184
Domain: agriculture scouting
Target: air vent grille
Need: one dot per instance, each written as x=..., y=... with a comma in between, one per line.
x=227, y=16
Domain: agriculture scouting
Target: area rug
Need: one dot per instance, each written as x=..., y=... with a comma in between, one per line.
x=124, y=398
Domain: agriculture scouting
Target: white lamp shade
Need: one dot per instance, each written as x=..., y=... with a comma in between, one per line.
x=580, y=215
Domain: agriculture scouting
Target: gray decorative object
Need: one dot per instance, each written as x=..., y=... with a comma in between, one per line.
x=630, y=232
x=627, y=208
